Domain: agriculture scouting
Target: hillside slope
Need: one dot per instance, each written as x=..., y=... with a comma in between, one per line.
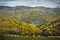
x=36, y=15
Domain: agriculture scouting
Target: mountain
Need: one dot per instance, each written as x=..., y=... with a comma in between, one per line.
x=23, y=7
x=6, y=7
x=35, y=15
x=17, y=7
x=29, y=20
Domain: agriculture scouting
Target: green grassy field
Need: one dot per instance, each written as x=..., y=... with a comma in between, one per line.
x=27, y=38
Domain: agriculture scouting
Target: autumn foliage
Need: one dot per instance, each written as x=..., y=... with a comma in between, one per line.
x=13, y=26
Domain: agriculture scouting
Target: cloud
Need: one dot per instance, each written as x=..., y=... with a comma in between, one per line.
x=7, y=0
x=45, y=3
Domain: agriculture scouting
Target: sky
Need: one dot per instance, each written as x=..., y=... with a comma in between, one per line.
x=33, y=3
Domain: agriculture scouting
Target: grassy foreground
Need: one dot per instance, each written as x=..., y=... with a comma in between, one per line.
x=28, y=38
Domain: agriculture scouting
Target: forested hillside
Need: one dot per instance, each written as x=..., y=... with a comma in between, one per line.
x=30, y=21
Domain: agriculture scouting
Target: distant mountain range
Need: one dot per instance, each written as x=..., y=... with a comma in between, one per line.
x=16, y=7
x=24, y=7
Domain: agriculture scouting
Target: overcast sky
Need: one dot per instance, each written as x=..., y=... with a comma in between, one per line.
x=33, y=3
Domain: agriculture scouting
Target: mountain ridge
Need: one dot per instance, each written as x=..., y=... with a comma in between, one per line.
x=36, y=15
x=23, y=7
